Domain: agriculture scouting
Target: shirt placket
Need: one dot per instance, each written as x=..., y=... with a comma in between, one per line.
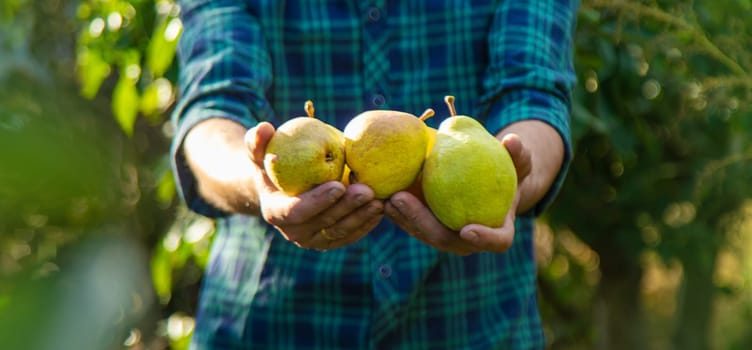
x=375, y=61
x=375, y=54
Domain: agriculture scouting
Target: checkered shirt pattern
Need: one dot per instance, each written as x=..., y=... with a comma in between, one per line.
x=253, y=61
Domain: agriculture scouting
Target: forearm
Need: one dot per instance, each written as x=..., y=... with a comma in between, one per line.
x=225, y=175
x=531, y=76
x=546, y=149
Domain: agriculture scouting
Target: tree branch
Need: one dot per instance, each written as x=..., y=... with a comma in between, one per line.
x=662, y=16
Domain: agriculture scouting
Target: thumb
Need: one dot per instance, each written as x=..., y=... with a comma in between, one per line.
x=256, y=139
x=520, y=155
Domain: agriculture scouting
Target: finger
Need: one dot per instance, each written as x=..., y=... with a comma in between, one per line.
x=488, y=239
x=520, y=155
x=302, y=236
x=420, y=223
x=363, y=230
x=492, y=239
x=355, y=197
x=322, y=243
x=282, y=210
x=256, y=140
x=353, y=222
x=410, y=214
x=356, y=219
x=316, y=240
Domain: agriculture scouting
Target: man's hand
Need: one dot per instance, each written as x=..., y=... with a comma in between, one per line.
x=326, y=217
x=416, y=218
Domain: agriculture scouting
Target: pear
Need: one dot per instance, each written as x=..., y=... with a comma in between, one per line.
x=416, y=189
x=431, y=139
x=304, y=152
x=385, y=149
x=469, y=176
x=345, y=180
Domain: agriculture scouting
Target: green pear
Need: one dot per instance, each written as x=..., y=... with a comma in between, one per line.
x=385, y=149
x=416, y=188
x=468, y=177
x=304, y=152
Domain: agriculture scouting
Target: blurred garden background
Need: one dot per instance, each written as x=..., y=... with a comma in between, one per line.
x=649, y=245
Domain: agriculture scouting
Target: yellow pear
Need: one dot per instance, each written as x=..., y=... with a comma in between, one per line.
x=345, y=175
x=416, y=188
x=431, y=139
x=385, y=149
x=468, y=177
x=304, y=152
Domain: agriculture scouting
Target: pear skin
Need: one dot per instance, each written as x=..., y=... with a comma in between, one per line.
x=468, y=177
x=304, y=152
x=431, y=139
x=385, y=150
x=416, y=189
x=345, y=180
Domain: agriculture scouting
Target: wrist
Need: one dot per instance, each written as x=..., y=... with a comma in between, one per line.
x=546, y=154
x=225, y=175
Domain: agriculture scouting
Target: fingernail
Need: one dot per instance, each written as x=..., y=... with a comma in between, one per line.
x=335, y=193
x=361, y=199
x=389, y=211
x=399, y=204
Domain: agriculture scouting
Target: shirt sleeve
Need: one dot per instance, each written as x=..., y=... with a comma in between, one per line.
x=530, y=73
x=224, y=72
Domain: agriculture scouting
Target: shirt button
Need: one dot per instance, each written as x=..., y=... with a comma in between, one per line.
x=374, y=14
x=385, y=271
x=378, y=100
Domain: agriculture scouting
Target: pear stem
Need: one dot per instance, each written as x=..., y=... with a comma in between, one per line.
x=309, y=108
x=449, y=100
x=427, y=114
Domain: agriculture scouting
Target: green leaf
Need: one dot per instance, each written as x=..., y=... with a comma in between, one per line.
x=93, y=70
x=125, y=103
x=166, y=188
x=9, y=8
x=150, y=100
x=161, y=273
x=179, y=331
x=162, y=46
x=181, y=343
x=156, y=99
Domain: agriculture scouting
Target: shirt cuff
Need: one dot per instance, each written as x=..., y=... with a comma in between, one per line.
x=184, y=177
x=531, y=104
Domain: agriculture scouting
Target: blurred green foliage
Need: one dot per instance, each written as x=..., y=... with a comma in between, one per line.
x=663, y=131
x=90, y=224
x=648, y=245
x=137, y=41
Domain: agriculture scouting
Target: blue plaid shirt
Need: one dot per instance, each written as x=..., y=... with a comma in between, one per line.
x=253, y=61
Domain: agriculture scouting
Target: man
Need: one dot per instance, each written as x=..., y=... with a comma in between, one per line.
x=333, y=268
